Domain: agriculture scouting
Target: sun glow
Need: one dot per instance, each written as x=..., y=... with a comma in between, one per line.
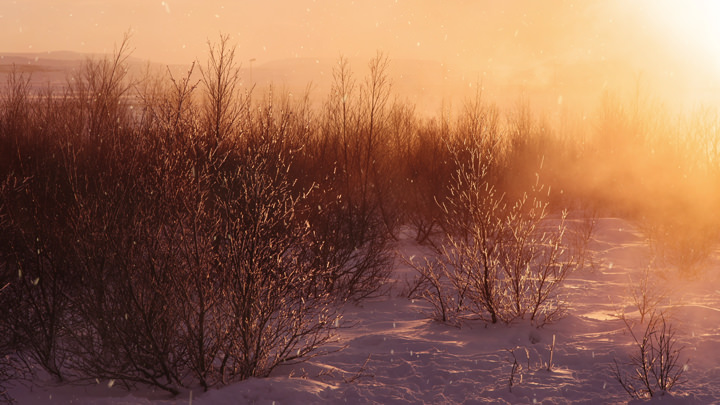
x=692, y=26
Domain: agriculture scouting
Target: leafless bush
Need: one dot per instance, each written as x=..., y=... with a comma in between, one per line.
x=476, y=127
x=432, y=285
x=7, y=346
x=646, y=295
x=161, y=246
x=527, y=149
x=182, y=185
x=38, y=267
x=504, y=262
x=580, y=234
x=31, y=206
x=398, y=143
x=350, y=209
x=655, y=366
x=124, y=317
x=220, y=79
x=439, y=147
x=115, y=324
x=212, y=273
x=99, y=95
x=428, y=167
x=276, y=306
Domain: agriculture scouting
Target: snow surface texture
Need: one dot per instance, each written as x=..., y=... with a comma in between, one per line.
x=392, y=353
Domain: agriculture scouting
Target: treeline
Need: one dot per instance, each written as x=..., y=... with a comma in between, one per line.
x=171, y=231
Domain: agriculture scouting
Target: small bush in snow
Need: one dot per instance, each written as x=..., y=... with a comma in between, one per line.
x=498, y=260
x=646, y=295
x=654, y=367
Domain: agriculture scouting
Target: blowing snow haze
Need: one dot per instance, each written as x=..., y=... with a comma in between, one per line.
x=489, y=201
x=556, y=51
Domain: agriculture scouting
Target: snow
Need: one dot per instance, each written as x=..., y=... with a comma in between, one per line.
x=390, y=352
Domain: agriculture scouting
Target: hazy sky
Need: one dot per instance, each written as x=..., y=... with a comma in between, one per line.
x=669, y=40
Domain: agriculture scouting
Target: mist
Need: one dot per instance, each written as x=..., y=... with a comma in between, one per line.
x=375, y=201
x=559, y=51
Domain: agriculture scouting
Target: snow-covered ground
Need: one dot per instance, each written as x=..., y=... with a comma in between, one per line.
x=393, y=353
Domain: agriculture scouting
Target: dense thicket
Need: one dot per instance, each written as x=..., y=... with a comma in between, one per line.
x=179, y=230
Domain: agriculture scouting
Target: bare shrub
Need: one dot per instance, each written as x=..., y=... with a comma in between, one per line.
x=504, y=262
x=471, y=252
x=28, y=247
x=116, y=323
x=655, y=366
x=7, y=344
x=581, y=233
x=213, y=273
x=182, y=186
x=392, y=175
x=38, y=267
x=164, y=245
x=15, y=117
x=350, y=208
x=220, y=79
x=124, y=323
x=99, y=95
x=527, y=149
x=275, y=306
x=517, y=371
x=432, y=285
x=428, y=168
x=646, y=295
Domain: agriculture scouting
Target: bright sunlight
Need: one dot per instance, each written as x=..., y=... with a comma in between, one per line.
x=691, y=27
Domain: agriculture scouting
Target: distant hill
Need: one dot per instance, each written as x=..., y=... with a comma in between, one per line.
x=46, y=68
x=427, y=84
x=418, y=81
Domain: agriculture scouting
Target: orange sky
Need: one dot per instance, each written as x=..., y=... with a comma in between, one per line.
x=671, y=43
